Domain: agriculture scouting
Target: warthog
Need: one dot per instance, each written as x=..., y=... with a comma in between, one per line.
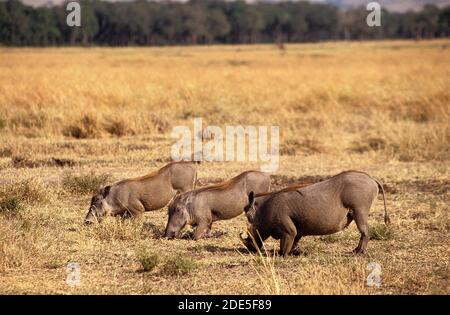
x=323, y=208
x=203, y=206
x=132, y=197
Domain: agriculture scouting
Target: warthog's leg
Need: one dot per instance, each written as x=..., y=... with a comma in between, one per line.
x=295, y=250
x=286, y=244
x=136, y=209
x=287, y=239
x=361, y=218
x=208, y=232
x=201, y=229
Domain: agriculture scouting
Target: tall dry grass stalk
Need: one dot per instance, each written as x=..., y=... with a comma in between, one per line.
x=264, y=265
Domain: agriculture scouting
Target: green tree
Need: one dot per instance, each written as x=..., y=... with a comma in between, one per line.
x=444, y=22
x=17, y=25
x=217, y=25
x=427, y=22
x=43, y=27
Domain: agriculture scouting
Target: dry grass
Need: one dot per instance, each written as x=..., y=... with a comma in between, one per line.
x=69, y=116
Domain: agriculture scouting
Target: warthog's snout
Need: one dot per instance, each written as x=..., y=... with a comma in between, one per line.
x=170, y=235
x=248, y=243
x=90, y=219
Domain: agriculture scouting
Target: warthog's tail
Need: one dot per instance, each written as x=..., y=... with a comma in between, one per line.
x=387, y=220
x=193, y=155
x=195, y=180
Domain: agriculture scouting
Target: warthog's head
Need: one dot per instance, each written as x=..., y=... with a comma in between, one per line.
x=98, y=209
x=252, y=241
x=179, y=215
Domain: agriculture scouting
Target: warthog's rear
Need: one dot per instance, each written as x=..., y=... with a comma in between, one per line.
x=151, y=192
x=203, y=206
x=319, y=209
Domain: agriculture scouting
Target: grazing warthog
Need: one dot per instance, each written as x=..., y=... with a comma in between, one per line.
x=203, y=206
x=132, y=197
x=323, y=208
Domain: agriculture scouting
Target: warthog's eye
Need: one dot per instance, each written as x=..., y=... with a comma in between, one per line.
x=180, y=210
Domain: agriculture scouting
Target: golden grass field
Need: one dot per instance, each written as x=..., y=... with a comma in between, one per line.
x=74, y=118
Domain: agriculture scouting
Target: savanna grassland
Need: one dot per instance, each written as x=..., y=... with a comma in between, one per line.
x=73, y=119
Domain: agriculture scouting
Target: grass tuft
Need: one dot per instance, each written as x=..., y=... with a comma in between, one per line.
x=118, y=128
x=178, y=265
x=148, y=260
x=11, y=205
x=87, y=127
x=381, y=232
x=84, y=184
x=30, y=191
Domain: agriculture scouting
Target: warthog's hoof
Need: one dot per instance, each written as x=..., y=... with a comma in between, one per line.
x=358, y=251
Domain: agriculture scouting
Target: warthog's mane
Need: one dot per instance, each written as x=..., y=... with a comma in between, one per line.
x=287, y=189
x=298, y=186
x=151, y=174
x=225, y=184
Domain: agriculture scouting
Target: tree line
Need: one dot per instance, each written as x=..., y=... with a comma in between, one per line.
x=209, y=21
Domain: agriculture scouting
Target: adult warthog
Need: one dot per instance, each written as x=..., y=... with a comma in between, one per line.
x=323, y=208
x=132, y=197
x=203, y=206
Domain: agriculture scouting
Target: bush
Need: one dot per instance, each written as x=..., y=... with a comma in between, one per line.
x=84, y=184
x=148, y=261
x=178, y=265
x=381, y=232
x=87, y=127
x=10, y=205
x=118, y=128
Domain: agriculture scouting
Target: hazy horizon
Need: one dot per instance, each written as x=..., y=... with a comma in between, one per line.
x=396, y=6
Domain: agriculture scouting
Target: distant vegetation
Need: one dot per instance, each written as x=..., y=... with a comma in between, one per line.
x=206, y=22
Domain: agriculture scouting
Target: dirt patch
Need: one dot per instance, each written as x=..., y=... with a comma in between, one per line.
x=24, y=162
x=431, y=186
x=306, y=147
x=162, y=160
x=370, y=144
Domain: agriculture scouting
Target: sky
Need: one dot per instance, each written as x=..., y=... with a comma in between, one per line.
x=391, y=5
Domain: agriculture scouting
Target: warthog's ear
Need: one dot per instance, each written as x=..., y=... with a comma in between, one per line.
x=189, y=201
x=105, y=191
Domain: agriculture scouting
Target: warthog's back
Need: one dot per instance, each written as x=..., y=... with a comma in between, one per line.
x=228, y=199
x=157, y=188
